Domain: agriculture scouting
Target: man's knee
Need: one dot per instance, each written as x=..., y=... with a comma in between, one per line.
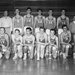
x=68, y=46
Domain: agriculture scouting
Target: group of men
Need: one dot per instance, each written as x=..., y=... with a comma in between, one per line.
x=35, y=37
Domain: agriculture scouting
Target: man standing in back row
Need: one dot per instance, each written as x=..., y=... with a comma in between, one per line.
x=6, y=22
x=61, y=21
x=18, y=21
x=28, y=18
x=50, y=21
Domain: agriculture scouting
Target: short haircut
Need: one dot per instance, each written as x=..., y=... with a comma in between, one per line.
x=42, y=28
x=29, y=8
x=28, y=28
x=53, y=30
x=39, y=10
x=64, y=26
x=17, y=30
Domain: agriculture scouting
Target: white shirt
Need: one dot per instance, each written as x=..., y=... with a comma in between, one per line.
x=6, y=22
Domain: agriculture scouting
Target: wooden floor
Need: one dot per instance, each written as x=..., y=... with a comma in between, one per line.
x=34, y=67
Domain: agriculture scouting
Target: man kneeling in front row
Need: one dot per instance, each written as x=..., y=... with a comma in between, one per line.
x=28, y=43
x=4, y=44
x=65, y=41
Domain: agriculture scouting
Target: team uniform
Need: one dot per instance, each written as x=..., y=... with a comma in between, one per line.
x=41, y=41
x=39, y=21
x=17, y=46
x=53, y=46
x=60, y=22
x=28, y=42
x=50, y=22
x=28, y=21
x=18, y=23
x=6, y=22
x=65, y=42
x=4, y=46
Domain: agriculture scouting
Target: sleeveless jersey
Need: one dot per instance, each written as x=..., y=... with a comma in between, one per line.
x=39, y=22
x=50, y=23
x=3, y=41
x=17, y=40
x=63, y=22
x=28, y=21
x=42, y=39
x=53, y=40
x=66, y=37
x=18, y=22
x=28, y=40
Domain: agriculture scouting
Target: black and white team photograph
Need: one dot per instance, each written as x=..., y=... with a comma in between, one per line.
x=37, y=37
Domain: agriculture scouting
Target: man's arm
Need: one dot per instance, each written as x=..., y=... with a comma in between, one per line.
x=57, y=41
x=61, y=38
x=46, y=38
x=54, y=22
x=33, y=40
x=35, y=22
x=69, y=36
x=7, y=39
x=58, y=21
x=68, y=22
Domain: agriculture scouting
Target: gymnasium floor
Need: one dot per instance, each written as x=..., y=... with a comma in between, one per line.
x=34, y=67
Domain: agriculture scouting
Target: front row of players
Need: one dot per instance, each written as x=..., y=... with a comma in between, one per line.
x=42, y=44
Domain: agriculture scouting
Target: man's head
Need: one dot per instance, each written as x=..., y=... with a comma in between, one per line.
x=42, y=30
x=63, y=12
x=52, y=32
x=64, y=28
x=17, y=31
x=28, y=10
x=2, y=30
x=50, y=12
x=39, y=11
x=5, y=13
x=17, y=11
x=28, y=30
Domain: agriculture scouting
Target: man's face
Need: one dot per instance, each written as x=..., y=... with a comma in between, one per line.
x=5, y=13
x=28, y=31
x=17, y=11
x=52, y=33
x=39, y=12
x=65, y=29
x=1, y=31
x=28, y=11
x=41, y=30
x=63, y=12
x=17, y=32
x=50, y=12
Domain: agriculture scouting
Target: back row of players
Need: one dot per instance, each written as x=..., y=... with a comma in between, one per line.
x=35, y=36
